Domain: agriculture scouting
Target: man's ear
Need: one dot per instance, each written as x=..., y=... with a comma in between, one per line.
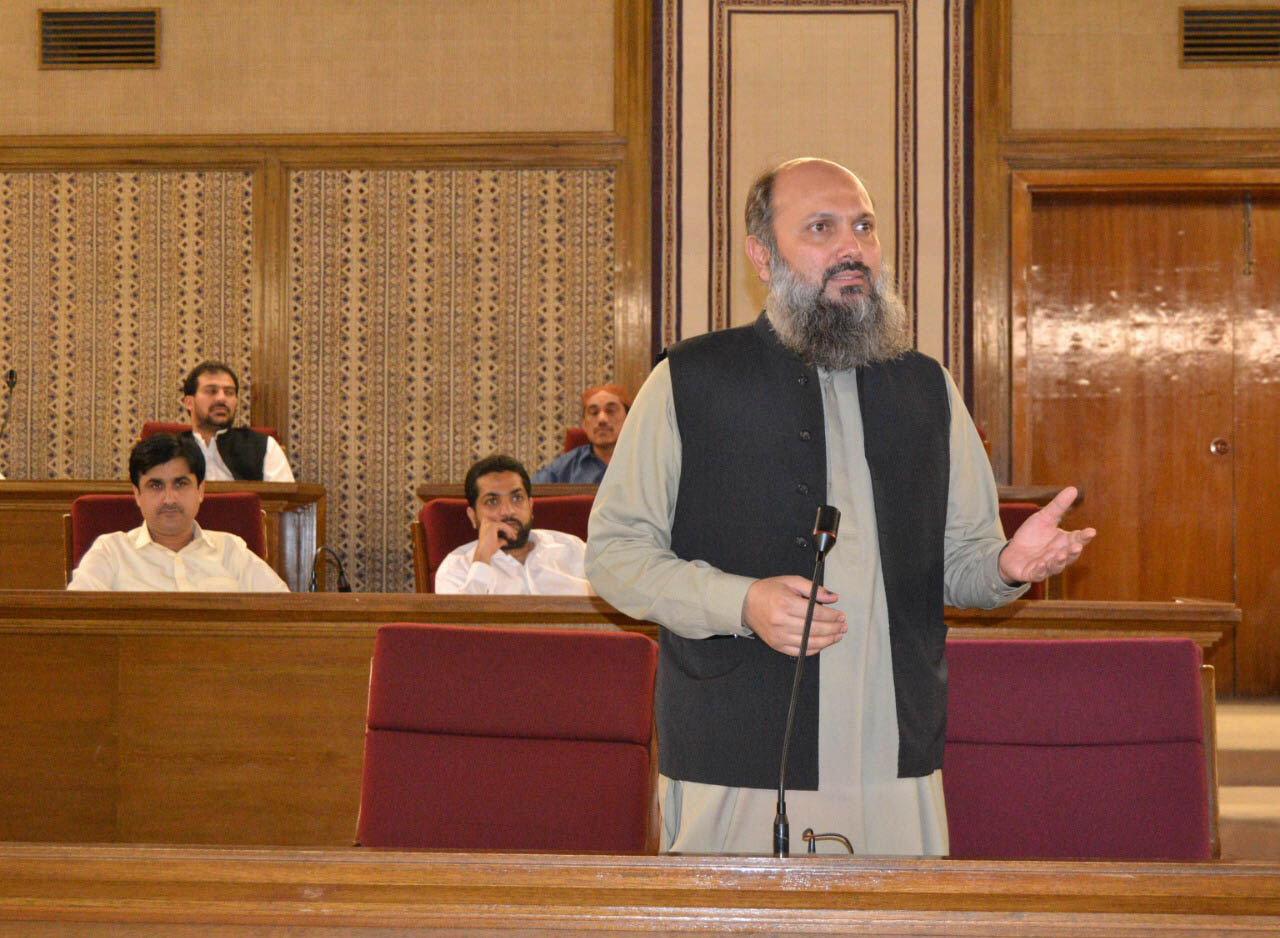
x=189, y=402
x=759, y=256
x=199, y=495
x=471, y=516
x=137, y=495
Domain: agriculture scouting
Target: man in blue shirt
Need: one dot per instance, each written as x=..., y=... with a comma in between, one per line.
x=604, y=408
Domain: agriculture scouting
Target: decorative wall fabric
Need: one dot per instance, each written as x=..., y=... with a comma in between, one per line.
x=438, y=316
x=112, y=285
x=877, y=85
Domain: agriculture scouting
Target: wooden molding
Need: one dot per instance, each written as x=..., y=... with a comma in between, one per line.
x=153, y=890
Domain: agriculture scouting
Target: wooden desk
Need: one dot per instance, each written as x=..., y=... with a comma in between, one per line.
x=1039, y=494
x=429, y=490
x=239, y=718
x=31, y=526
x=48, y=890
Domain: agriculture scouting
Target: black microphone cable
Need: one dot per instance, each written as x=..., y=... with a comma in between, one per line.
x=10, y=380
x=325, y=552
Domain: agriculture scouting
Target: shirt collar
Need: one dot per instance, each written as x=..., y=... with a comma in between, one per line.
x=140, y=536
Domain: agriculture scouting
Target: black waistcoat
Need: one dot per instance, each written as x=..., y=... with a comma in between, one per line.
x=753, y=472
x=243, y=450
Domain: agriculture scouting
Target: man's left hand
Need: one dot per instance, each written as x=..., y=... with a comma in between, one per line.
x=1040, y=548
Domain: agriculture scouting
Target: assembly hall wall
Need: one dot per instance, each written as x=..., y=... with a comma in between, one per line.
x=1126, y=303
x=417, y=229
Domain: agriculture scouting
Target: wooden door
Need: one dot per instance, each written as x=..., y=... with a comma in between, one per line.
x=1146, y=371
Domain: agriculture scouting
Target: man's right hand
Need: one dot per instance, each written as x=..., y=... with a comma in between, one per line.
x=492, y=537
x=774, y=609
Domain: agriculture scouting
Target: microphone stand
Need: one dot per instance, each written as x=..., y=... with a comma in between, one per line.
x=824, y=533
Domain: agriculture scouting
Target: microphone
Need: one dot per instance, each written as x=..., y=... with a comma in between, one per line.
x=327, y=553
x=825, y=527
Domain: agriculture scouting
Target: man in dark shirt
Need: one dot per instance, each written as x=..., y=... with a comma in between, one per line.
x=604, y=408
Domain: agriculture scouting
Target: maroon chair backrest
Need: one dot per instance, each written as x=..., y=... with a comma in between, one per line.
x=152, y=427
x=1076, y=748
x=237, y=512
x=445, y=524
x=1012, y=514
x=509, y=739
x=574, y=437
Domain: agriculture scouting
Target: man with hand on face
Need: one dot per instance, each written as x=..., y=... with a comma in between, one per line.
x=170, y=551
x=604, y=409
x=704, y=525
x=509, y=556
x=211, y=394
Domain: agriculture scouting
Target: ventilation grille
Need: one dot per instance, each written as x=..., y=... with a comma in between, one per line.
x=1231, y=36
x=99, y=38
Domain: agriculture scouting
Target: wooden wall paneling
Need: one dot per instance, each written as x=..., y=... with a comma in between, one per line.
x=989, y=241
x=271, y=325
x=1256, y=444
x=633, y=122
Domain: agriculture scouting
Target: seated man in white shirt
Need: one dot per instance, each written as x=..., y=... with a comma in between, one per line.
x=509, y=555
x=169, y=551
x=211, y=394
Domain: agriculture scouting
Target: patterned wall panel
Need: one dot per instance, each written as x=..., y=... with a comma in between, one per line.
x=877, y=85
x=112, y=285
x=438, y=316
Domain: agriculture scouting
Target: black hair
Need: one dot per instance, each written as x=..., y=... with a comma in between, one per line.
x=192, y=382
x=498, y=462
x=160, y=448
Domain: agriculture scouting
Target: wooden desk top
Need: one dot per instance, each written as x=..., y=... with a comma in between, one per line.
x=64, y=491
x=336, y=614
x=150, y=890
x=1040, y=494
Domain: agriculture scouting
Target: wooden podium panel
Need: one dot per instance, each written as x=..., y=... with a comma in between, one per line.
x=239, y=718
x=31, y=526
x=74, y=891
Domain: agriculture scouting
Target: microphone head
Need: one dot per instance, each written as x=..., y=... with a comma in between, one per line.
x=11, y=378
x=825, y=527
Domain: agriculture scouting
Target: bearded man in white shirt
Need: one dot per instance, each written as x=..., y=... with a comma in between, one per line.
x=509, y=555
x=170, y=551
x=211, y=395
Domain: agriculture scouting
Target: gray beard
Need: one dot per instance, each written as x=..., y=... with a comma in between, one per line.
x=865, y=325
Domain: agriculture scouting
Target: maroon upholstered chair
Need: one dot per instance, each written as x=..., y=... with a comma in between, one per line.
x=92, y=515
x=442, y=525
x=574, y=437
x=1012, y=514
x=510, y=739
x=152, y=427
x=1095, y=749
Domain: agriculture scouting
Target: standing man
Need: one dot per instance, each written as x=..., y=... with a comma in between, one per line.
x=509, y=556
x=703, y=525
x=170, y=551
x=604, y=410
x=211, y=394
